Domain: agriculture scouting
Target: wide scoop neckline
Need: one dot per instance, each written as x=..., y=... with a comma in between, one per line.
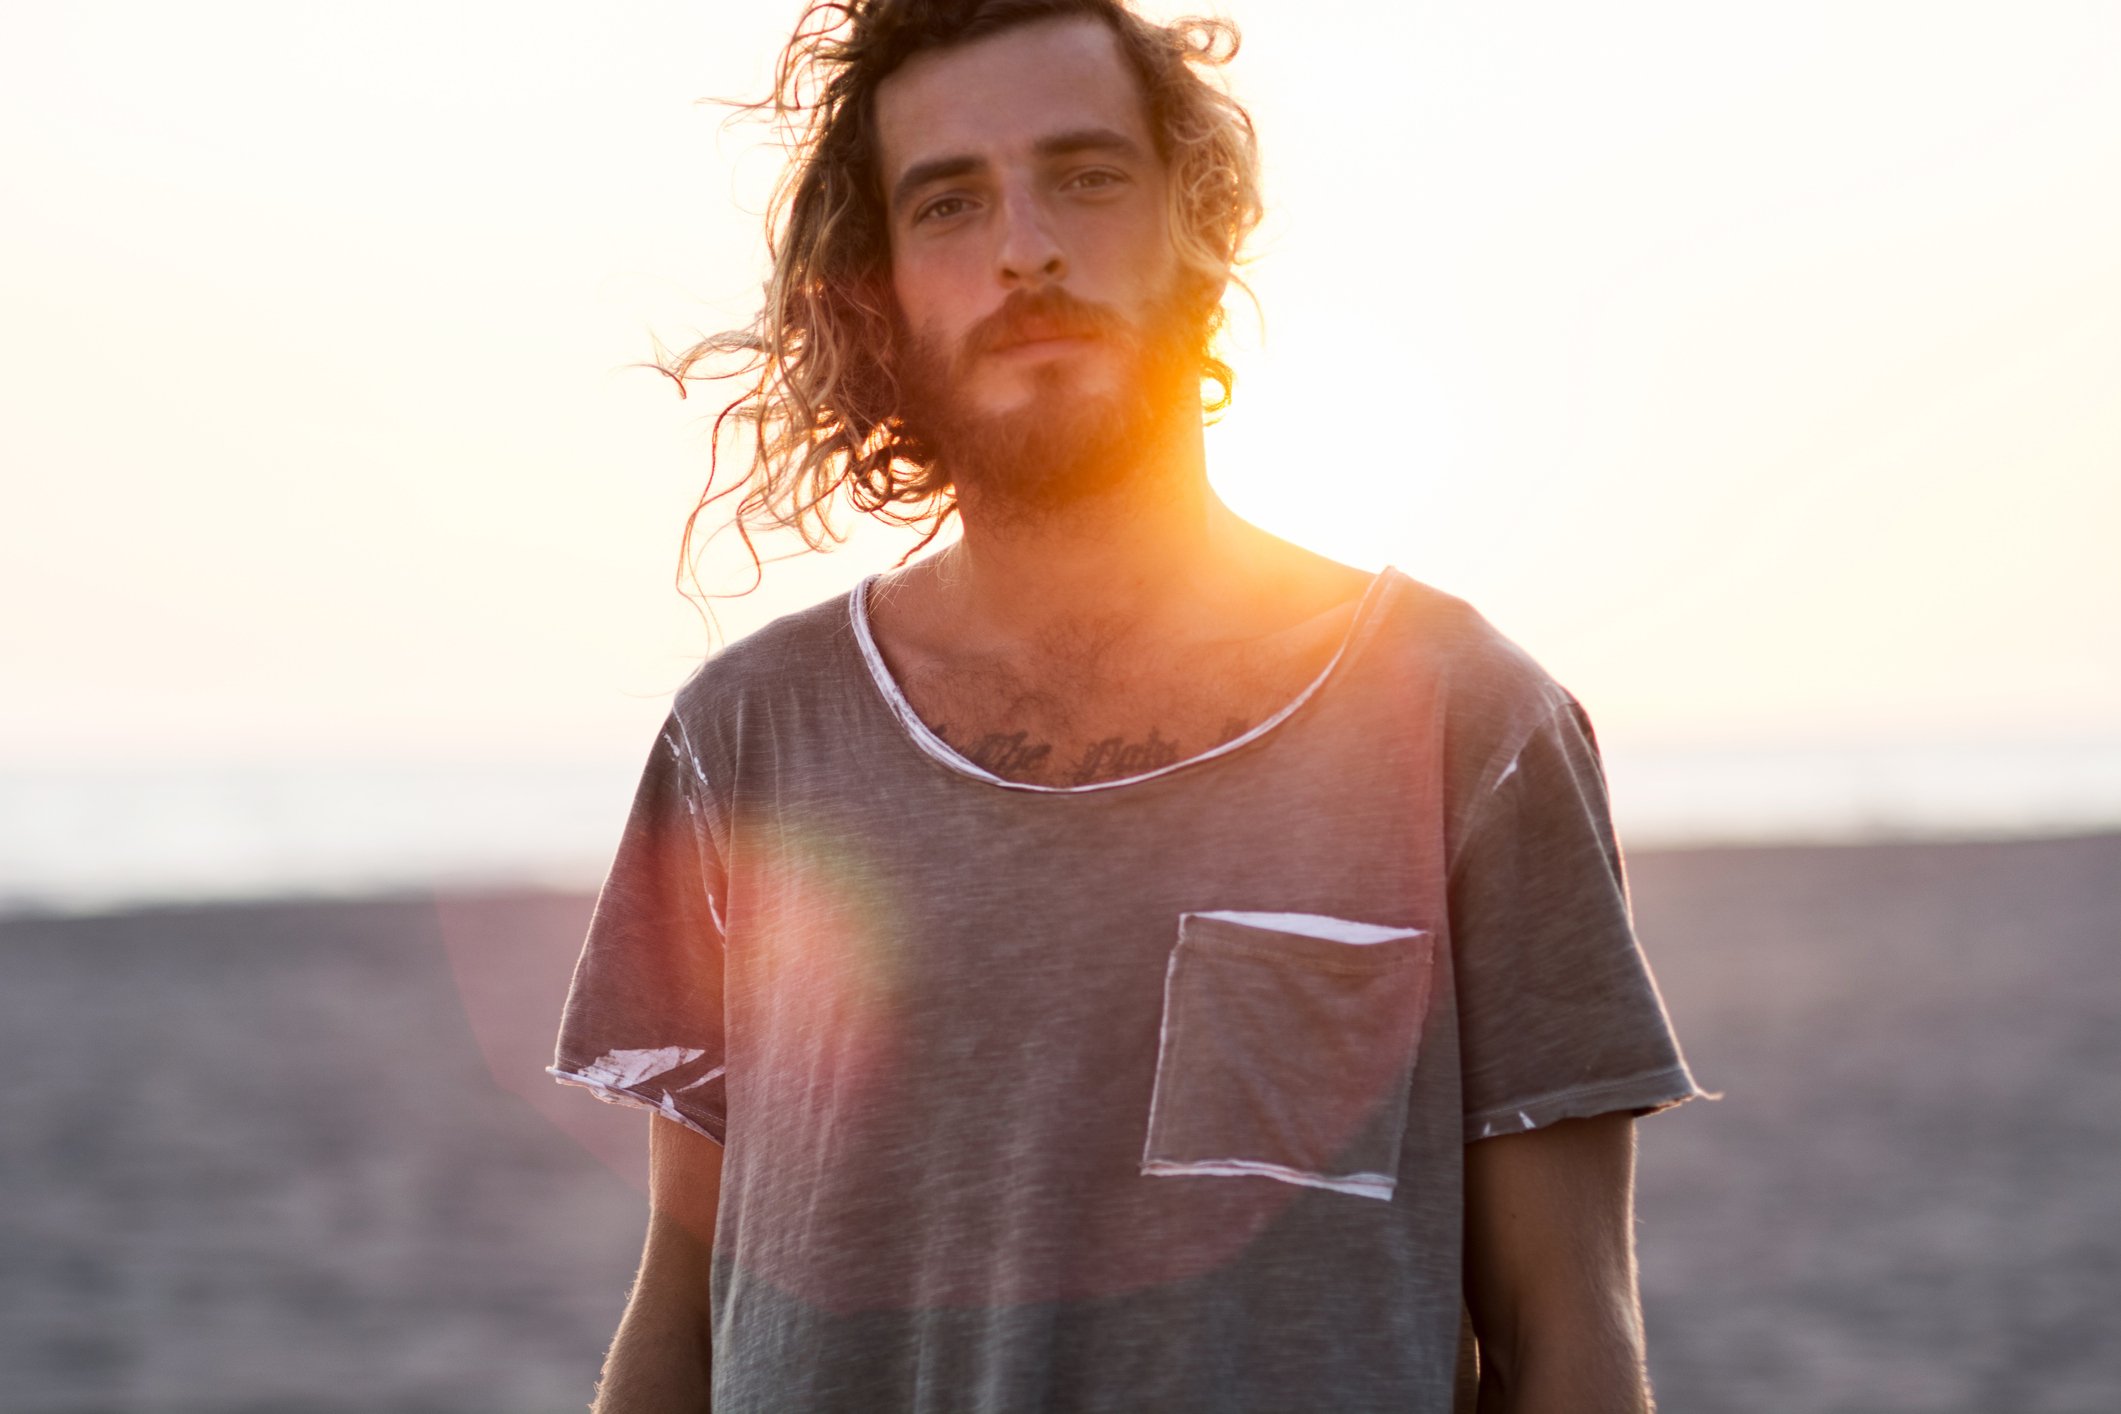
x=929, y=744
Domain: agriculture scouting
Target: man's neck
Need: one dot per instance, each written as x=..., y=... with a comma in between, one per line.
x=1129, y=562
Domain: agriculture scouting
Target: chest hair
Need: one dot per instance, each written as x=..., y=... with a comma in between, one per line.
x=1071, y=715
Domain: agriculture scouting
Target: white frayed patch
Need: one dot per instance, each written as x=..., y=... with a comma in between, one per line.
x=667, y=1108
x=683, y=748
x=625, y=1069
x=1361, y=1185
x=716, y=1074
x=1312, y=925
x=1507, y=772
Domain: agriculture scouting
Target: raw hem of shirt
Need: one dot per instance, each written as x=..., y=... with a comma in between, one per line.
x=934, y=746
x=1643, y=1094
x=1362, y=1185
x=1313, y=925
x=663, y=1105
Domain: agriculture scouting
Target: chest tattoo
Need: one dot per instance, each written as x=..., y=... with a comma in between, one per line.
x=1007, y=754
x=1020, y=756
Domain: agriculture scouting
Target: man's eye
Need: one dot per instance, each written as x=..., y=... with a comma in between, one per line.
x=941, y=207
x=1096, y=177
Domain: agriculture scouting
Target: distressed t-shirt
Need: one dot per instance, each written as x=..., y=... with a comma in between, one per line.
x=1147, y=1095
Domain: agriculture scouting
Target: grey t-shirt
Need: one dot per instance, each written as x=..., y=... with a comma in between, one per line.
x=1150, y=1095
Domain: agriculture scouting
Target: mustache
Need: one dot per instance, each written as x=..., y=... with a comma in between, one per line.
x=1050, y=313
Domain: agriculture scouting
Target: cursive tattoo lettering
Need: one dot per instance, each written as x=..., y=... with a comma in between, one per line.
x=1009, y=753
x=1116, y=756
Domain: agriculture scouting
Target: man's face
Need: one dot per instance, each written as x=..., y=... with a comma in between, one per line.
x=1043, y=325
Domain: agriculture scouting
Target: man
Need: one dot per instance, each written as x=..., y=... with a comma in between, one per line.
x=1133, y=963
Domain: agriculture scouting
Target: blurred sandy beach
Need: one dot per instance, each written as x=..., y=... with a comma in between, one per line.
x=303, y=1157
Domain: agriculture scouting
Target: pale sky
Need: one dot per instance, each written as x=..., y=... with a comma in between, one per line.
x=1758, y=369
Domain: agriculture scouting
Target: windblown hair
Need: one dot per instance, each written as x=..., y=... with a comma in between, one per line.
x=821, y=396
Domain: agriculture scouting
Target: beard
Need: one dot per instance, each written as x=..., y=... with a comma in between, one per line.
x=1061, y=445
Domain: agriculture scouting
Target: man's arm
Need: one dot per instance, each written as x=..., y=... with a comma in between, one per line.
x=662, y=1359
x=1550, y=1269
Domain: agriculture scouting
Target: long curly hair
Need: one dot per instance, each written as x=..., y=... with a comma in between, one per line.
x=820, y=398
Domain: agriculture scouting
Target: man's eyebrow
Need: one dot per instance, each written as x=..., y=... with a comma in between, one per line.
x=1066, y=144
x=1087, y=140
x=935, y=169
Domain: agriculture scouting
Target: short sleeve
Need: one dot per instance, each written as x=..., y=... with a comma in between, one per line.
x=643, y=1022
x=1558, y=1014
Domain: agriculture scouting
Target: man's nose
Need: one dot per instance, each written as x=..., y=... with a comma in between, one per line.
x=1029, y=254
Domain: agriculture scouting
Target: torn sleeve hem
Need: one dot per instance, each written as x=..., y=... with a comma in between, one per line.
x=660, y=1103
x=1644, y=1094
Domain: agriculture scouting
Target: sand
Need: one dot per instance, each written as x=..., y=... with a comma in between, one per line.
x=302, y=1156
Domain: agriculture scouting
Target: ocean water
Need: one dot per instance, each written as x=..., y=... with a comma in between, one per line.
x=1667, y=797
x=87, y=840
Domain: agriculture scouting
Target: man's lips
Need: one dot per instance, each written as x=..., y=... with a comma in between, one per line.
x=1044, y=341
x=1043, y=324
x=1035, y=340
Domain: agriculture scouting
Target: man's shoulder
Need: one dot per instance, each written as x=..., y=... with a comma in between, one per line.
x=791, y=653
x=1491, y=700
x=1476, y=667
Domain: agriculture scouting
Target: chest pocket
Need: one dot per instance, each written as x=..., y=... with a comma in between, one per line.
x=1287, y=1049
